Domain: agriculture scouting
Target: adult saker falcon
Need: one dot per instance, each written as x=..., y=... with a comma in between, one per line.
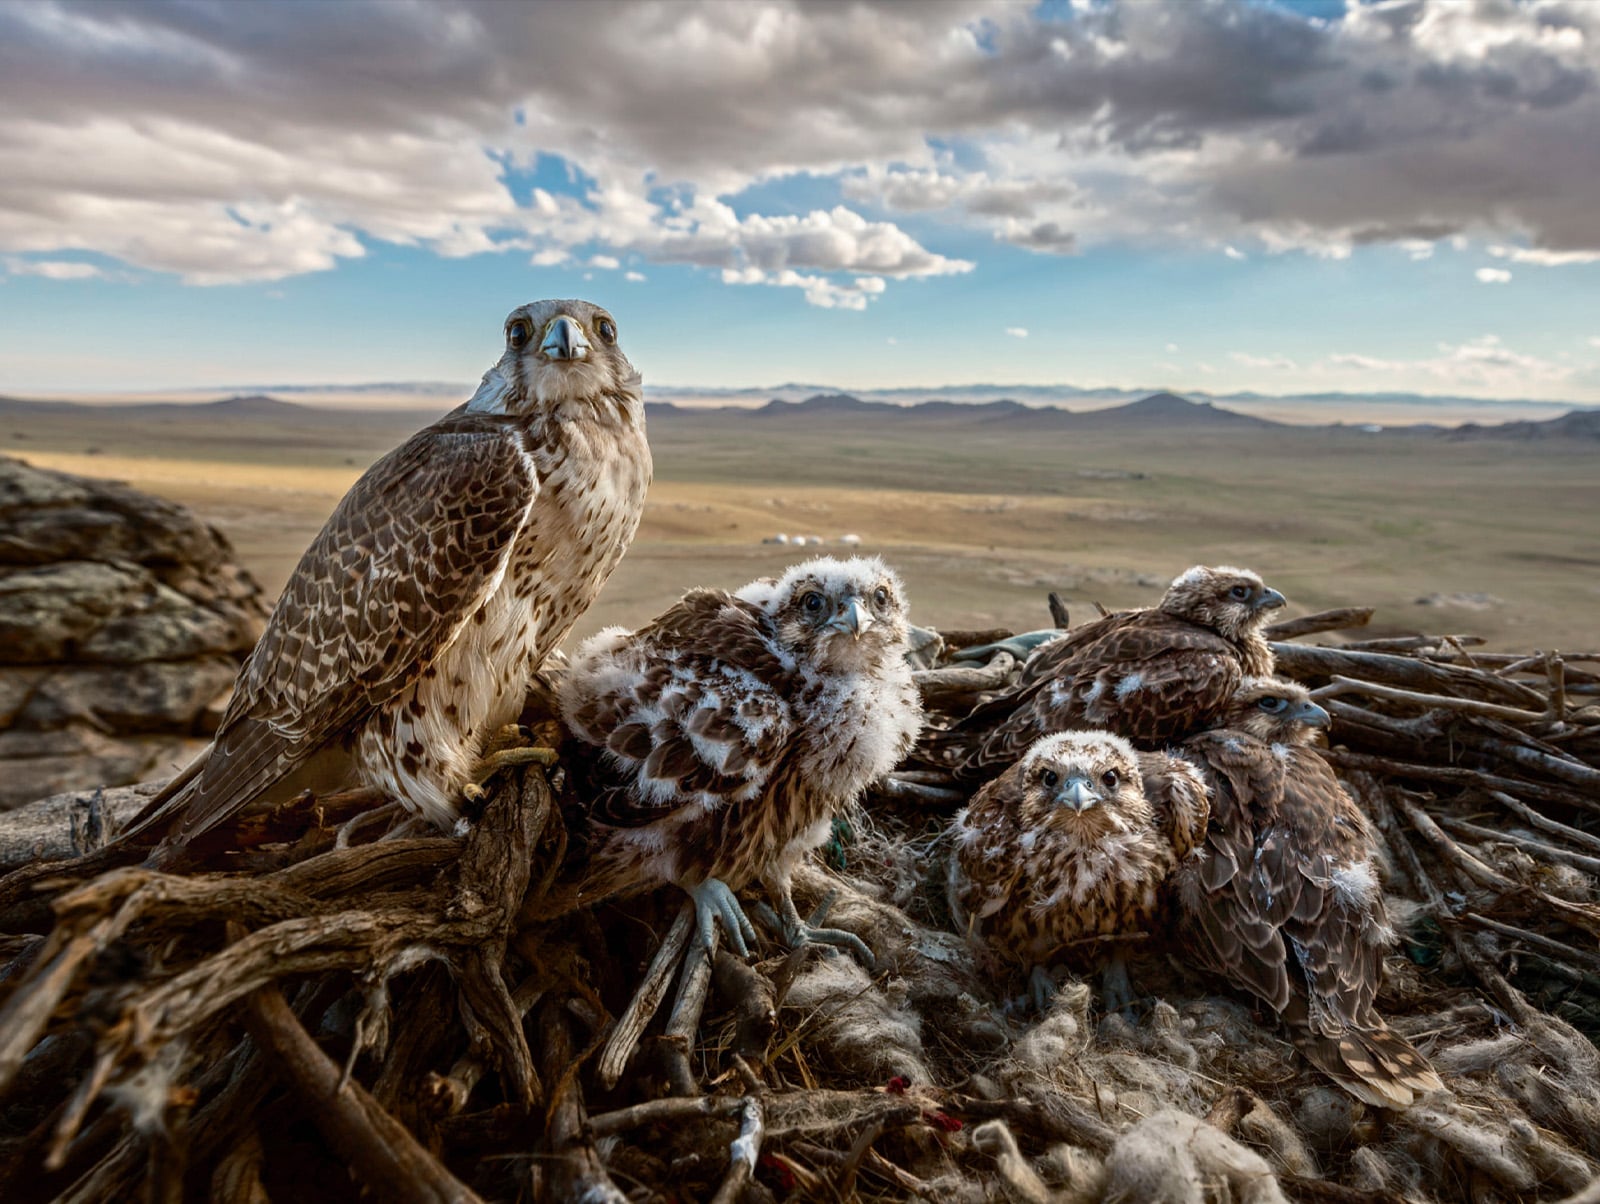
x=1285, y=902
x=412, y=625
x=1149, y=675
x=1073, y=844
x=730, y=731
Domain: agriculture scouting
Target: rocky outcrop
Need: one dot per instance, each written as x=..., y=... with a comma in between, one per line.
x=123, y=619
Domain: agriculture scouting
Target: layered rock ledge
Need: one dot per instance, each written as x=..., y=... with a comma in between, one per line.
x=123, y=619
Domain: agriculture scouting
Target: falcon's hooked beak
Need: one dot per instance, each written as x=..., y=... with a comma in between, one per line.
x=1270, y=599
x=852, y=617
x=1310, y=714
x=564, y=340
x=1077, y=793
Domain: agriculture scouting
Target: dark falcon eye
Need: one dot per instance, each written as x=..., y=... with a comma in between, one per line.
x=812, y=602
x=518, y=333
x=1050, y=778
x=1109, y=779
x=880, y=596
x=607, y=330
x=1239, y=593
x=1273, y=705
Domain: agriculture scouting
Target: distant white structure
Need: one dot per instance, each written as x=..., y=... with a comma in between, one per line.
x=850, y=541
x=780, y=537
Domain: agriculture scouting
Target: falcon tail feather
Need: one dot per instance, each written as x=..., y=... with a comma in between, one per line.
x=1377, y=1065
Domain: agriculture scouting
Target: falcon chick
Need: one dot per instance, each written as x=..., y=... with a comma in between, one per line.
x=1286, y=903
x=413, y=623
x=734, y=728
x=1075, y=841
x=1149, y=675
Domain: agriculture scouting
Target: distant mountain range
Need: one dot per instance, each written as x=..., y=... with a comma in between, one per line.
x=1157, y=411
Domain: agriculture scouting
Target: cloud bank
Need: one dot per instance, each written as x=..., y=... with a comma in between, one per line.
x=232, y=141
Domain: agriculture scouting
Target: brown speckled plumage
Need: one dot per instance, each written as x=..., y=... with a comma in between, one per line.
x=1285, y=903
x=735, y=727
x=1151, y=676
x=1032, y=875
x=412, y=624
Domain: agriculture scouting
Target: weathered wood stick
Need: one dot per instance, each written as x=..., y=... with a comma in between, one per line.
x=1578, y=915
x=1567, y=953
x=1565, y=769
x=670, y=1110
x=1455, y=777
x=1584, y=840
x=577, y=1172
x=1446, y=646
x=379, y=1149
x=1509, y=998
x=1339, y=619
x=744, y=1153
x=1470, y=706
x=1589, y=865
x=1306, y=660
x=647, y=999
x=683, y=1023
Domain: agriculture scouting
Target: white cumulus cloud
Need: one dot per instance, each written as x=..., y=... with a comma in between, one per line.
x=1017, y=332
x=1493, y=276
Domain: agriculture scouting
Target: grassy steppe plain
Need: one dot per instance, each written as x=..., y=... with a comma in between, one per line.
x=981, y=520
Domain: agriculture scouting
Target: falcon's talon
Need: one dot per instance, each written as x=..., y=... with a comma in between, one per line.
x=1042, y=990
x=798, y=932
x=714, y=901
x=1116, y=988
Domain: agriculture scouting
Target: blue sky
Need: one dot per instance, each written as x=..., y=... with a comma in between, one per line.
x=1221, y=196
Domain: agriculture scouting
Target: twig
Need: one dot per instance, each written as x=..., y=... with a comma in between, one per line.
x=577, y=1173
x=1565, y=769
x=380, y=1150
x=744, y=1153
x=1059, y=615
x=1534, y=941
x=1573, y=835
x=663, y=1111
x=677, y=1040
x=1575, y=914
x=1340, y=619
x=642, y=1008
x=1470, y=706
x=1305, y=660
x=1589, y=865
x=1390, y=767
x=450, y=1092
x=1510, y=999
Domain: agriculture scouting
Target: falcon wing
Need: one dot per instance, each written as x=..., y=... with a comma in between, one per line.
x=984, y=866
x=692, y=712
x=1144, y=675
x=1236, y=909
x=407, y=557
x=1177, y=792
x=1338, y=928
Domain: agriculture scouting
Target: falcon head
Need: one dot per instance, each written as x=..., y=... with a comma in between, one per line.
x=1232, y=602
x=841, y=616
x=556, y=352
x=1082, y=782
x=1276, y=711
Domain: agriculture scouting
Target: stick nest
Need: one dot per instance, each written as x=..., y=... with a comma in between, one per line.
x=334, y=1003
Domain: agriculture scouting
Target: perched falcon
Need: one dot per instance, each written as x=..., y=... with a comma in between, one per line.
x=1150, y=675
x=1285, y=903
x=413, y=623
x=735, y=727
x=1076, y=841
